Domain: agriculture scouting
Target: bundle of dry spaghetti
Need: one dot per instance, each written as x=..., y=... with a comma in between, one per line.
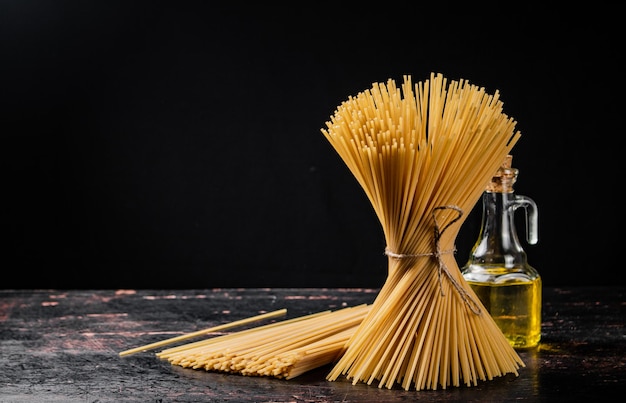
x=283, y=349
x=423, y=154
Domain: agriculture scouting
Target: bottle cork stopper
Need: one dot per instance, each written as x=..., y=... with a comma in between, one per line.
x=504, y=178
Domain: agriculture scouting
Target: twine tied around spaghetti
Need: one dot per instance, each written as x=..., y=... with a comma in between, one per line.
x=442, y=268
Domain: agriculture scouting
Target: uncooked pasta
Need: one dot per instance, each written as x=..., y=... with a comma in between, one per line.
x=284, y=349
x=203, y=332
x=423, y=154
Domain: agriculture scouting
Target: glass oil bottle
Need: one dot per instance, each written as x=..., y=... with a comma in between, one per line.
x=498, y=270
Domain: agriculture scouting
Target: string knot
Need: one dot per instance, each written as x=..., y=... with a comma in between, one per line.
x=437, y=255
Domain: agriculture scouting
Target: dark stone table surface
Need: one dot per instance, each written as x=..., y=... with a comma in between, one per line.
x=64, y=345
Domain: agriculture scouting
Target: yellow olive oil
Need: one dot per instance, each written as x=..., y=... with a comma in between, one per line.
x=515, y=306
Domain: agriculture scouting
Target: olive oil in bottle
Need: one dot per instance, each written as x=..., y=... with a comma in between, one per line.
x=498, y=270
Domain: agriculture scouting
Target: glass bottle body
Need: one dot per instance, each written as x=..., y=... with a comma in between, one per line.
x=498, y=271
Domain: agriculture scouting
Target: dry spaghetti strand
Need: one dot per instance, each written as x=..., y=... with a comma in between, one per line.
x=203, y=332
x=283, y=349
x=422, y=154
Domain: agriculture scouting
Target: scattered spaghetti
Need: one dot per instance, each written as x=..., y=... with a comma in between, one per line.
x=423, y=155
x=203, y=332
x=282, y=350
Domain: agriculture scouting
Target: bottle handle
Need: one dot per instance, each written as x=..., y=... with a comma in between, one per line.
x=532, y=217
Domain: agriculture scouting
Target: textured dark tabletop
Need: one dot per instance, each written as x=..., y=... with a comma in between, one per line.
x=64, y=345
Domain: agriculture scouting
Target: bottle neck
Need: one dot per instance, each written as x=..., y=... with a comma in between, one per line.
x=497, y=242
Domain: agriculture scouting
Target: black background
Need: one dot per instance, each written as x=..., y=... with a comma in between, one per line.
x=178, y=144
